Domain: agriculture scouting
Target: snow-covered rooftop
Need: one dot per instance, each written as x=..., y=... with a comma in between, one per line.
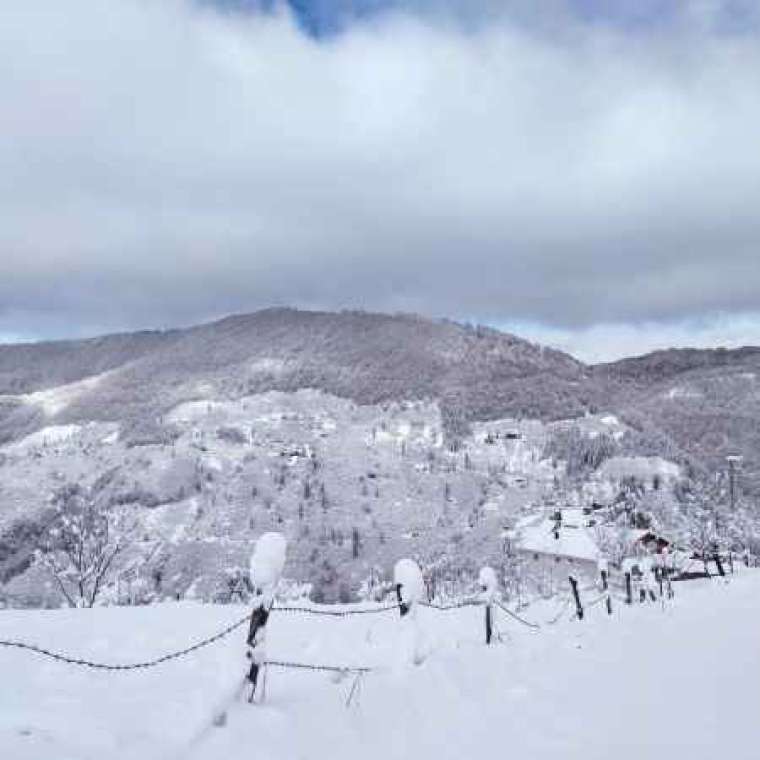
x=575, y=542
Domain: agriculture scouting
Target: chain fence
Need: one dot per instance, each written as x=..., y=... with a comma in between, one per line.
x=126, y=666
x=344, y=669
x=452, y=605
x=337, y=613
x=292, y=609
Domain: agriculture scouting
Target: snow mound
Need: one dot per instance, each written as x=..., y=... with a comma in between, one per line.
x=408, y=575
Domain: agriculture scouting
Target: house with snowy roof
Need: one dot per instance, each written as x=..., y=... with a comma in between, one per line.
x=555, y=547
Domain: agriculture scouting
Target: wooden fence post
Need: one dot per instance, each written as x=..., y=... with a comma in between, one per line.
x=488, y=585
x=578, y=606
x=267, y=562
x=604, y=573
x=403, y=607
x=255, y=640
x=410, y=588
x=606, y=588
x=665, y=574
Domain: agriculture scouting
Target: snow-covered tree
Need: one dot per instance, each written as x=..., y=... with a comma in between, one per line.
x=581, y=452
x=613, y=542
x=81, y=545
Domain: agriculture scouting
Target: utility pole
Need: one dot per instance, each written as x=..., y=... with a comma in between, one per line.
x=733, y=460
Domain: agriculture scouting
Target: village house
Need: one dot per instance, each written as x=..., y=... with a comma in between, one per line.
x=552, y=548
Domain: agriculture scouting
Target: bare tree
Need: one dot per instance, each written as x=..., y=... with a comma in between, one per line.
x=80, y=546
x=702, y=503
x=614, y=543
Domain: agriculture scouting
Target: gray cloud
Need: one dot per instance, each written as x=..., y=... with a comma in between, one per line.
x=162, y=164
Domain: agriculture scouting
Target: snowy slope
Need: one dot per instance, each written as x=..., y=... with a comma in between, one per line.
x=310, y=465
x=679, y=681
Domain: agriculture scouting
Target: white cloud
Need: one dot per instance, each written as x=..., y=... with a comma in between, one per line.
x=162, y=164
x=608, y=342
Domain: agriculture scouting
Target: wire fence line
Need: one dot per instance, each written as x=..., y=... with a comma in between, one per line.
x=337, y=613
x=515, y=616
x=562, y=610
x=176, y=655
x=453, y=605
x=125, y=666
x=144, y=665
x=79, y=661
x=285, y=664
x=469, y=602
x=596, y=601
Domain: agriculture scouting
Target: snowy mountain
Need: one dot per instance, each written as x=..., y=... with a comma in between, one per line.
x=706, y=402
x=474, y=373
x=363, y=437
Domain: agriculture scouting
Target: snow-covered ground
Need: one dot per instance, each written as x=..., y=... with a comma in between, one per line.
x=679, y=681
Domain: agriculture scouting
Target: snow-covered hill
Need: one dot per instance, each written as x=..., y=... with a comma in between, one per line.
x=352, y=486
x=678, y=680
x=360, y=436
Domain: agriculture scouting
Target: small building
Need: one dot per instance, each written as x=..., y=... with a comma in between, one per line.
x=652, y=542
x=553, y=548
x=638, y=542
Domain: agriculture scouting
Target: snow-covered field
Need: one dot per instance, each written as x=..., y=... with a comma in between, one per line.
x=679, y=681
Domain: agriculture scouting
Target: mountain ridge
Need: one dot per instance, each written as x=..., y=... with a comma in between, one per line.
x=692, y=356
x=368, y=357
x=474, y=373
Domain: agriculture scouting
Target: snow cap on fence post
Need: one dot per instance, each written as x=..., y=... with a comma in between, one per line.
x=267, y=563
x=410, y=586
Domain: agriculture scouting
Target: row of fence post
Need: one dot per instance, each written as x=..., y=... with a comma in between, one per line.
x=267, y=564
x=662, y=579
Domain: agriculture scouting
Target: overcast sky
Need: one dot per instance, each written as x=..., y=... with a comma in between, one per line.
x=584, y=177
